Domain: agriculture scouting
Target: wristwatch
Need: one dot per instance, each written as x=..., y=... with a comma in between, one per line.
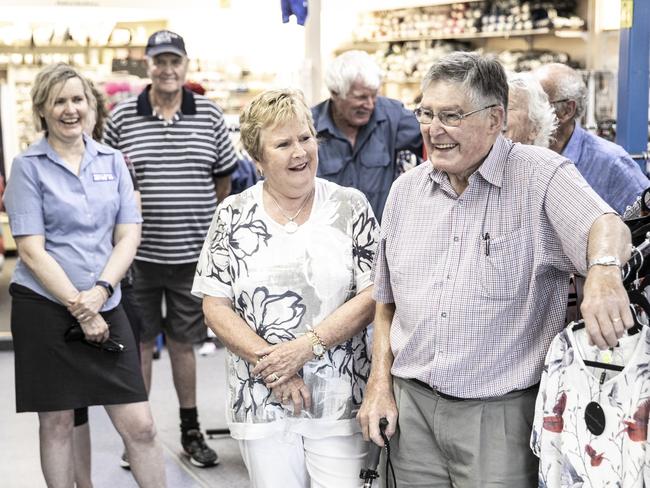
x=605, y=261
x=318, y=347
x=107, y=286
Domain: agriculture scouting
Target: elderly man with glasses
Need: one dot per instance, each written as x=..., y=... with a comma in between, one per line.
x=471, y=281
x=606, y=166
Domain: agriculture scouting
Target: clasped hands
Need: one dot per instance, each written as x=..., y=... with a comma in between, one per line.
x=85, y=308
x=279, y=365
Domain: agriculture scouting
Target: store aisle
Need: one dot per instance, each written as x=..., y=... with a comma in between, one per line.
x=20, y=468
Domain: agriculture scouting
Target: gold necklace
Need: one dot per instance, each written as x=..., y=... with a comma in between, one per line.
x=291, y=226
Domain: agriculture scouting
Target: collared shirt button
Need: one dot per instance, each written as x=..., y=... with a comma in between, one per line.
x=456, y=238
x=443, y=314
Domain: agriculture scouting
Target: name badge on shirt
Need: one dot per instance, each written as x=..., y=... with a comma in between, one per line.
x=103, y=177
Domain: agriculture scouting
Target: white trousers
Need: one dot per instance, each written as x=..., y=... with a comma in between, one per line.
x=294, y=461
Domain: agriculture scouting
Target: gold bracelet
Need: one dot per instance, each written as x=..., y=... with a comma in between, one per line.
x=322, y=343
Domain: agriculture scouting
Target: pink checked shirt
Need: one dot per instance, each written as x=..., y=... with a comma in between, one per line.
x=475, y=315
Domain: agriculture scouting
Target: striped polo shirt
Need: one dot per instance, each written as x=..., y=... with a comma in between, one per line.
x=175, y=163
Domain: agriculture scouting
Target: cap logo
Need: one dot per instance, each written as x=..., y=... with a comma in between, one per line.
x=163, y=37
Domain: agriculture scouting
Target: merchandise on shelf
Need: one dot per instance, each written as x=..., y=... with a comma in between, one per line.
x=519, y=60
x=407, y=41
x=468, y=19
x=409, y=61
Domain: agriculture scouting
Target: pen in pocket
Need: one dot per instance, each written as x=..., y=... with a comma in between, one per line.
x=486, y=238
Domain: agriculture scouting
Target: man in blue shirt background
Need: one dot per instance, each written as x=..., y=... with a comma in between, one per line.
x=359, y=132
x=606, y=166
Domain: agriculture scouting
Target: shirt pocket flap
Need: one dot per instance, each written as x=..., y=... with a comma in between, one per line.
x=375, y=156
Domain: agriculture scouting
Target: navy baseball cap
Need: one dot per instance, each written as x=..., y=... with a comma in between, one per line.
x=165, y=41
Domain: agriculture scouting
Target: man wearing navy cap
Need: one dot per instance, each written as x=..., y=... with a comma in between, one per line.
x=182, y=154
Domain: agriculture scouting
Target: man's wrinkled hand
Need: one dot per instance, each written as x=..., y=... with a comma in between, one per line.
x=378, y=402
x=605, y=307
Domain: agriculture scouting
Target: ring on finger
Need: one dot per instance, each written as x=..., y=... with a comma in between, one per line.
x=274, y=377
x=617, y=319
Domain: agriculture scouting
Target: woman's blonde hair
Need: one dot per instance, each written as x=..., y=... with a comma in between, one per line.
x=267, y=110
x=45, y=81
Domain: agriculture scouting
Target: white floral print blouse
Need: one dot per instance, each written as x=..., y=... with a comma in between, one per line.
x=281, y=284
x=571, y=455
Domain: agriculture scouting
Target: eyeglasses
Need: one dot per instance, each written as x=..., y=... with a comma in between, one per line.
x=75, y=333
x=560, y=101
x=450, y=119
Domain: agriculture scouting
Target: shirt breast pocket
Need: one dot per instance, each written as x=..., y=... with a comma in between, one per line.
x=375, y=161
x=106, y=197
x=375, y=157
x=332, y=154
x=506, y=267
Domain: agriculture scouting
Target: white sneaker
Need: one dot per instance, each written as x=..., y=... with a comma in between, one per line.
x=208, y=348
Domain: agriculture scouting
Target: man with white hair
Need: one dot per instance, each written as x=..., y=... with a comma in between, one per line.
x=606, y=166
x=360, y=132
x=531, y=118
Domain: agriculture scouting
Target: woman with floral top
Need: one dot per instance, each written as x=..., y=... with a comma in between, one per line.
x=285, y=279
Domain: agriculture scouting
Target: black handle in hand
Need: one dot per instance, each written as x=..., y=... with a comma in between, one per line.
x=369, y=473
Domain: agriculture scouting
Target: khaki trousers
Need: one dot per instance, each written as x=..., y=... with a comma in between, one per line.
x=443, y=443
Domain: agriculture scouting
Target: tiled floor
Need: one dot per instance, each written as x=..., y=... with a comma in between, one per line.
x=19, y=463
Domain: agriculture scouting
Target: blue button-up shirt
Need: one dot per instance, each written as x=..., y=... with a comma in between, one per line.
x=371, y=165
x=607, y=168
x=76, y=214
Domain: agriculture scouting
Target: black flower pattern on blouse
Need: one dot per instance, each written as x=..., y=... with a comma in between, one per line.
x=363, y=240
x=252, y=395
x=230, y=245
x=351, y=360
x=275, y=318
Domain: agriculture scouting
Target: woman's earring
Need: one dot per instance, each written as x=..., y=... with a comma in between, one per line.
x=260, y=171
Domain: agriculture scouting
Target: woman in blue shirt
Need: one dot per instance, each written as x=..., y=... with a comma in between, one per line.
x=72, y=212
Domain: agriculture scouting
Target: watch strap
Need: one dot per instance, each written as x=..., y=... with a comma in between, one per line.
x=605, y=261
x=107, y=286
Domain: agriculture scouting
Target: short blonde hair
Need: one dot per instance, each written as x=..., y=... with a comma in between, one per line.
x=267, y=110
x=46, y=80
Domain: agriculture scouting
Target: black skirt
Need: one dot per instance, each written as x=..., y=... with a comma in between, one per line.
x=52, y=374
